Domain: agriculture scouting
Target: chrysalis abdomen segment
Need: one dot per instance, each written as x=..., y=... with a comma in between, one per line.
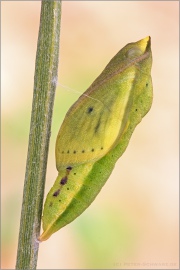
x=82, y=186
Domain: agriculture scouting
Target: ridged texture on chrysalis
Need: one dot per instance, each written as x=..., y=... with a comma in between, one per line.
x=96, y=132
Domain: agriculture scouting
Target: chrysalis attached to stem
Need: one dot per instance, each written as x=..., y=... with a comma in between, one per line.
x=95, y=133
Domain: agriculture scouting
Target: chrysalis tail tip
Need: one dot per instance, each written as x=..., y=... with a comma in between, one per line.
x=43, y=237
x=38, y=240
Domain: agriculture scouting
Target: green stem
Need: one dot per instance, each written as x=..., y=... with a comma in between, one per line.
x=45, y=80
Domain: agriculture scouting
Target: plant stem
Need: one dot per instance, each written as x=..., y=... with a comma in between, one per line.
x=45, y=80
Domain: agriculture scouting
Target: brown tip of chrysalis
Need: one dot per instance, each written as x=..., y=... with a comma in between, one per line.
x=43, y=237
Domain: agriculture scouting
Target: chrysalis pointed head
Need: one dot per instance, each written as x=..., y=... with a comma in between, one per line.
x=144, y=89
x=139, y=48
x=144, y=44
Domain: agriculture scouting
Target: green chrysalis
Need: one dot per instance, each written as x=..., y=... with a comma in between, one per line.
x=95, y=133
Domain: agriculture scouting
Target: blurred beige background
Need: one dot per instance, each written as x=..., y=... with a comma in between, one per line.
x=133, y=223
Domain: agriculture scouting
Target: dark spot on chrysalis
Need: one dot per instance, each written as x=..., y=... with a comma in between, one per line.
x=74, y=173
x=51, y=204
x=64, y=180
x=62, y=152
x=68, y=152
x=90, y=109
x=59, y=200
x=69, y=168
x=92, y=149
x=74, y=152
x=67, y=188
x=146, y=84
x=83, y=151
x=101, y=148
x=136, y=110
x=56, y=193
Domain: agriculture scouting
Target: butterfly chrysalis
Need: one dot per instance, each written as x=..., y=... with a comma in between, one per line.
x=95, y=133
